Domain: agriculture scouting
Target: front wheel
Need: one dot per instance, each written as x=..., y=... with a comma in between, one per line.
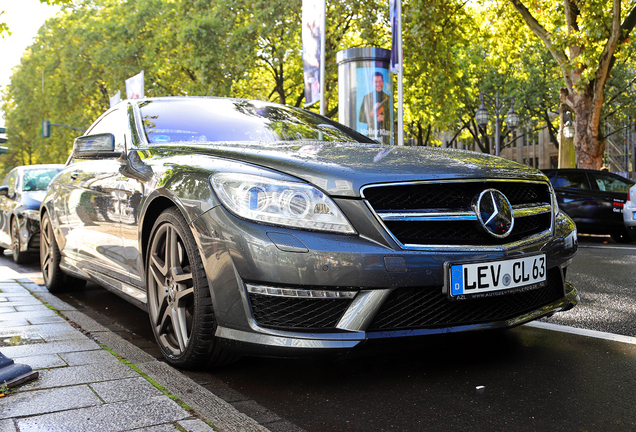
x=179, y=301
x=19, y=256
x=50, y=256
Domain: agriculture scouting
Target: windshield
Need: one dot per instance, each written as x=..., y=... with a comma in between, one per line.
x=205, y=120
x=38, y=179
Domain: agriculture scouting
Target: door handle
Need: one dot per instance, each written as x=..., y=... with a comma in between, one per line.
x=75, y=175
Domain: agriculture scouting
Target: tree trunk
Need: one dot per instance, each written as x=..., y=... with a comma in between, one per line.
x=588, y=139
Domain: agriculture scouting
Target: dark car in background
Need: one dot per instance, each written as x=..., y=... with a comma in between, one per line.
x=21, y=194
x=249, y=227
x=593, y=199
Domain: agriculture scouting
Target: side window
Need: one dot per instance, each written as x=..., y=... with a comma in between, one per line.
x=571, y=180
x=611, y=184
x=112, y=123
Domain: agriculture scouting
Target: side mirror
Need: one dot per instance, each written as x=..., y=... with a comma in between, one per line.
x=4, y=190
x=95, y=146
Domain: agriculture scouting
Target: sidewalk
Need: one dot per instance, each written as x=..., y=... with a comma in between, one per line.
x=90, y=379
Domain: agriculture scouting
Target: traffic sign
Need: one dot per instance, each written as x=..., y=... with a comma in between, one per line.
x=46, y=129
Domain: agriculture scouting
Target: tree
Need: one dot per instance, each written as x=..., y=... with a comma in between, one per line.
x=585, y=39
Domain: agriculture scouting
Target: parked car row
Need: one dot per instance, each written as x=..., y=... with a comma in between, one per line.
x=21, y=194
x=249, y=227
x=595, y=200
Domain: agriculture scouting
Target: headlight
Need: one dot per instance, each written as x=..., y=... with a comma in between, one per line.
x=278, y=202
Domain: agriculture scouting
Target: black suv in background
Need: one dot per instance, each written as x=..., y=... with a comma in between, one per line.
x=593, y=199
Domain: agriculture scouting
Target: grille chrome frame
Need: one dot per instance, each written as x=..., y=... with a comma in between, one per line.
x=450, y=215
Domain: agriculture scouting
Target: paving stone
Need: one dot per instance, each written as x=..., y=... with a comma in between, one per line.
x=48, y=332
x=210, y=406
x=161, y=428
x=32, y=286
x=72, y=345
x=14, y=323
x=3, y=299
x=41, y=361
x=85, y=374
x=7, y=309
x=6, y=287
x=122, y=347
x=89, y=357
x=47, y=401
x=125, y=389
x=195, y=425
x=49, y=319
x=15, y=299
x=116, y=417
x=54, y=301
x=7, y=426
x=33, y=307
x=26, y=315
x=85, y=322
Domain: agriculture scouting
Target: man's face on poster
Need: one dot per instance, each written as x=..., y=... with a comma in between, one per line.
x=378, y=83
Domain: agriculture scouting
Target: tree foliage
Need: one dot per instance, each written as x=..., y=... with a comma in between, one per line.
x=586, y=39
x=251, y=48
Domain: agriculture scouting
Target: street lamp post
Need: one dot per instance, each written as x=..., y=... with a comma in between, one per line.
x=482, y=116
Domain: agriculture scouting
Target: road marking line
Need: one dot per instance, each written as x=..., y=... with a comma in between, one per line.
x=606, y=247
x=583, y=332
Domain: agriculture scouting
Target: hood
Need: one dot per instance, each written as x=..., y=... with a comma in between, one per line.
x=342, y=169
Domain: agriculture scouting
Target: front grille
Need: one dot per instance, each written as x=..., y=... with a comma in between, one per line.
x=297, y=313
x=429, y=307
x=443, y=214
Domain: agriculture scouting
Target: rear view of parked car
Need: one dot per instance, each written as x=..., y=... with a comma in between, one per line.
x=249, y=227
x=593, y=199
x=21, y=194
x=629, y=213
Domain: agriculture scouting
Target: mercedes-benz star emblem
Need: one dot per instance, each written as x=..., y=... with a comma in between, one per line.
x=495, y=213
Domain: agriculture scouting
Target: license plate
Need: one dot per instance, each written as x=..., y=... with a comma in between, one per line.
x=491, y=278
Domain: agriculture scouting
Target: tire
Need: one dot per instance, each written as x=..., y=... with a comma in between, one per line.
x=179, y=301
x=54, y=279
x=19, y=256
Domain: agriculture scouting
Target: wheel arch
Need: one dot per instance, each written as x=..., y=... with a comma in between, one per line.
x=151, y=213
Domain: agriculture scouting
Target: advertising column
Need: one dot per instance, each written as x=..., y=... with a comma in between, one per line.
x=365, y=92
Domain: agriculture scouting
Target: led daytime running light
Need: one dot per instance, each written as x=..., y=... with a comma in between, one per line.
x=299, y=293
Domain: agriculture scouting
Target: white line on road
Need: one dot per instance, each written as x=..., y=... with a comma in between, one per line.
x=606, y=247
x=583, y=332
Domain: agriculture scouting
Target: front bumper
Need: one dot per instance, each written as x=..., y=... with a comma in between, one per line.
x=238, y=253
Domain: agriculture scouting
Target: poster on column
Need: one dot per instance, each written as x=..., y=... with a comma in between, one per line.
x=311, y=35
x=374, y=104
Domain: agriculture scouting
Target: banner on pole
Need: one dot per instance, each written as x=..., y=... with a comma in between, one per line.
x=115, y=99
x=312, y=32
x=135, y=86
x=395, y=35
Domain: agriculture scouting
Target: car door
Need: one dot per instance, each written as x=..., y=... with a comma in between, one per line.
x=94, y=213
x=611, y=197
x=575, y=195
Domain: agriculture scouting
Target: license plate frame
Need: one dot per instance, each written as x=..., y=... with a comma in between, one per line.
x=477, y=278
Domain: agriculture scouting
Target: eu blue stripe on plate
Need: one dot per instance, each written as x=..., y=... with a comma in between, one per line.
x=457, y=280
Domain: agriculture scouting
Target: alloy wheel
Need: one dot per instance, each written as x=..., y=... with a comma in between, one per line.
x=170, y=289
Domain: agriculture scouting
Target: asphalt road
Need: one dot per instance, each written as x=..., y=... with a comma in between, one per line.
x=524, y=379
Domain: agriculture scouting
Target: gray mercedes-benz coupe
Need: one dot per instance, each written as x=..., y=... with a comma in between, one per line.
x=249, y=227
